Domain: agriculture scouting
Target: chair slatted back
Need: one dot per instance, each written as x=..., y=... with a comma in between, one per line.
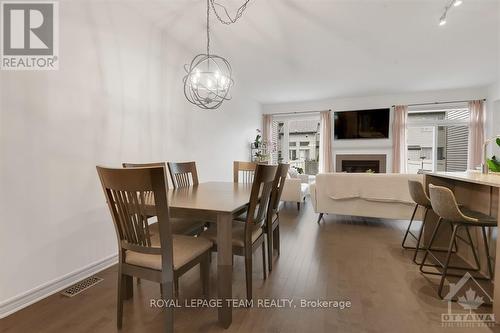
x=244, y=169
x=183, y=174
x=149, y=196
x=260, y=195
x=279, y=183
x=128, y=193
x=147, y=165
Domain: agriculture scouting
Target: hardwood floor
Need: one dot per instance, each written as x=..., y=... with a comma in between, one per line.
x=343, y=258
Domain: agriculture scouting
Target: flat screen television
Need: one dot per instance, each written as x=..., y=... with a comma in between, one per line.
x=362, y=124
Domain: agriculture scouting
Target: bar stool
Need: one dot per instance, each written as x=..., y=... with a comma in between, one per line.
x=445, y=205
x=417, y=193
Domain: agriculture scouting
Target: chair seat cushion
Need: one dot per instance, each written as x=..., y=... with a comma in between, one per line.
x=482, y=218
x=238, y=233
x=186, y=249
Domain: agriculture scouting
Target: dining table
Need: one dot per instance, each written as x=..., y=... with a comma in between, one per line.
x=220, y=203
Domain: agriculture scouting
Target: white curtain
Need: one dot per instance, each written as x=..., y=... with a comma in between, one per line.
x=267, y=128
x=476, y=133
x=325, y=142
x=399, y=139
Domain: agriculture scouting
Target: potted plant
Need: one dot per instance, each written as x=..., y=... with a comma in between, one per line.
x=493, y=163
x=258, y=139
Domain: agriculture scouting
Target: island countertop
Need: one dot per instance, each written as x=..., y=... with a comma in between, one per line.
x=475, y=177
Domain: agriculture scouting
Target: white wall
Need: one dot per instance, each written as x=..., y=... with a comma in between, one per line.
x=380, y=146
x=116, y=97
x=493, y=108
x=493, y=119
x=493, y=103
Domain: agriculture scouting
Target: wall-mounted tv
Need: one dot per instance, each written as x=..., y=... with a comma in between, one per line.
x=362, y=124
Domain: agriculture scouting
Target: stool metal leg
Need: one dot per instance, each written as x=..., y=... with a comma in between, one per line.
x=447, y=261
x=417, y=247
x=408, y=229
x=454, y=243
x=420, y=246
x=474, y=253
x=429, y=247
x=487, y=249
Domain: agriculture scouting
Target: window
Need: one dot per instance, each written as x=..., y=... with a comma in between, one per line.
x=298, y=143
x=438, y=139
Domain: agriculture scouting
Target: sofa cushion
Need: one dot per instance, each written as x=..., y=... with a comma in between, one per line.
x=372, y=187
x=304, y=189
x=370, y=195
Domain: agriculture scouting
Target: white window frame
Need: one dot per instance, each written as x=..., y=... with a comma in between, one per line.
x=286, y=119
x=435, y=124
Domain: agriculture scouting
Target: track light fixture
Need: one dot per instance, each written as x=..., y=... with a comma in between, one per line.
x=452, y=3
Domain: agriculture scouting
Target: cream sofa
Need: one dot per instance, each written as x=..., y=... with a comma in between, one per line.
x=363, y=194
x=296, y=189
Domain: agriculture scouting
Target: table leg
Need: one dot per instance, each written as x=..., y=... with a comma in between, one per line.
x=224, y=267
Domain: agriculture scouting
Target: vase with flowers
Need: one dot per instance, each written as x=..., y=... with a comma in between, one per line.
x=259, y=149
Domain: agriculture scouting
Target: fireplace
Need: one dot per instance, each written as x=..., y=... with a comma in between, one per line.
x=361, y=166
x=361, y=163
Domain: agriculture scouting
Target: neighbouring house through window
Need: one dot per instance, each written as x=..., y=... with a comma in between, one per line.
x=298, y=142
x=438, y=138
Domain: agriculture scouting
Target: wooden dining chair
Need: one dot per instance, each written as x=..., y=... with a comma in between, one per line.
x=183, y=174
x=244, y=169
x=184, y=226
x=161, y=257
x=248, y=236
x=272, y=226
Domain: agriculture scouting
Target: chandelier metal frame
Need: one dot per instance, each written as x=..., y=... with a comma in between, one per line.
x=208, y=77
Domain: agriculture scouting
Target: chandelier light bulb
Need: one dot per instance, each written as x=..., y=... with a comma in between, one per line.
x=208, y=81
x=457, y=3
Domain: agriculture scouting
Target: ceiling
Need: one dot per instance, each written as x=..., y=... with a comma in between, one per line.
x=296, y=50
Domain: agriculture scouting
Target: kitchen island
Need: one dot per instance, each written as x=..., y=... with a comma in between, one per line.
x=479, y=192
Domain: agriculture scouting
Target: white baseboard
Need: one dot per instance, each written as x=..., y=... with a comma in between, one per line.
x=21, y=301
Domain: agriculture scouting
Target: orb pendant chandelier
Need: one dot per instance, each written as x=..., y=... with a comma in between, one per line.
x=208, y=80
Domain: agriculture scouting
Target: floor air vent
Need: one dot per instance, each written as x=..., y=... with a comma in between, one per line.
x=81, y=286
